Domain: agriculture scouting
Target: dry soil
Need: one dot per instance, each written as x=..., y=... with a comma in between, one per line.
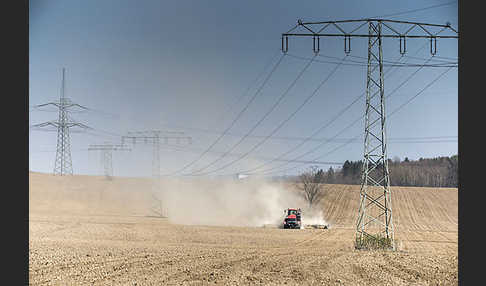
x=86, y=230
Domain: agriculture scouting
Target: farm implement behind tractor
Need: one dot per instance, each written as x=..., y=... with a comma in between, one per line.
x=293, y=220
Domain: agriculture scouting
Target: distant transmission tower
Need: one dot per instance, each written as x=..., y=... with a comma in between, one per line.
x=107, y=156
x=63, y=163
x=374, y=226
x=153, y=137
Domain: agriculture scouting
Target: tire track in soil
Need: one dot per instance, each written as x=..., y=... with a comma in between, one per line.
x=312, y=238
x=225, y=264
x=232, y=264
x=229, y=266
x=413, y=273
x=135, y=265
x=145, y=258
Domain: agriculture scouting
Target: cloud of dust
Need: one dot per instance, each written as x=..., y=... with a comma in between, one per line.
x=247, y=202
x=313, y=216
x=221, y=202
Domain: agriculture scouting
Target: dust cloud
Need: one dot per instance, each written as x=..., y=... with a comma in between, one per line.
x=218, y=202
x=247, y=202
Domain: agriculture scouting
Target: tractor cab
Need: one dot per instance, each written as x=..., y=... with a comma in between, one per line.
x=292, y=218
x=295, y=212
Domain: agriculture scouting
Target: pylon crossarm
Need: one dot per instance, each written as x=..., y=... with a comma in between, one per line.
x=340, y=29
x=50, y=103
x=359, y=27
x=53, y=123
x=391, y=29
x=73, y=124
x=75, y=104
x=425, y=30
x=307, y=28
x=295, y=27
x=364, y=36
x=362, y=22
x=323, y=28
x=410, y=29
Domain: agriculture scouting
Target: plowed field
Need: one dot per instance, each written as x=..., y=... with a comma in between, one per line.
x=85, y=230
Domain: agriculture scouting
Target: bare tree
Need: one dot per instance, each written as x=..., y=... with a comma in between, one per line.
x=311, y=183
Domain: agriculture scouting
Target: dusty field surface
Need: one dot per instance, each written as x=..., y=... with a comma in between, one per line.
x=85, y=230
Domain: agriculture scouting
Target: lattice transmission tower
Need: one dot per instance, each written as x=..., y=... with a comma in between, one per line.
x=63, y=163
x=374, y=224
x=107, y=156
x=153, y=137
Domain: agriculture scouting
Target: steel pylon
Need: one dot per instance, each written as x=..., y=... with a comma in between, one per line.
x=107, y=163
x=107, y=156
x=63, y=164
x=375, y=212
x=153, y=137
x=374, y=223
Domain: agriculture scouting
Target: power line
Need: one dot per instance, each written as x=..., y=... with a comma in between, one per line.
x=282, y=96
x=413, y=97
x=230, y=106
x=416, y=10
x=296, y=138
x=346, y=128
x=153, y=137
x=346, y=143
x=309, y=138
x=233, y=122
x=396, y=140
x=398, y=64
x=283, y=122
x=325, y=125
x=436, y=58
x=328, y=153
x=385, y=65
x=197, y=150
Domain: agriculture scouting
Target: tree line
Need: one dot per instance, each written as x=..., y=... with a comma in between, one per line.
x=424, y=172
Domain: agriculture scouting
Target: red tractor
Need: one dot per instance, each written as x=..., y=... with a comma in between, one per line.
x=292, y=219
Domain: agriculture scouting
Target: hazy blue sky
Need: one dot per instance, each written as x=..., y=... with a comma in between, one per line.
x=185, y=65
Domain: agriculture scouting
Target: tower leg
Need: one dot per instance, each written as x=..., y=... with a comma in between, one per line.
x=374, y=227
